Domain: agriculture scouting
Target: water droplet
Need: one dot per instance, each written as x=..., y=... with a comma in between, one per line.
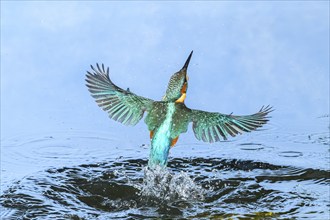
x=161, y=184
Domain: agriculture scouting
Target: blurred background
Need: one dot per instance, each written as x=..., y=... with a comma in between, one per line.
x=246, y=54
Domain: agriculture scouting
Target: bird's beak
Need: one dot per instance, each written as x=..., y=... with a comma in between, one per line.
x=185, y=66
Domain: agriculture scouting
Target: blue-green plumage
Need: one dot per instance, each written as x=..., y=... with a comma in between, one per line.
x=168, y=118
x=161, y=138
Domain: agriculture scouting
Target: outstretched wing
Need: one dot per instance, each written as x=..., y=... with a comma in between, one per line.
x=212, y=127
x=121, y=105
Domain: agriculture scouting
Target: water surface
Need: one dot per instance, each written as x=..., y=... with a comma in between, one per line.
x=89, y=176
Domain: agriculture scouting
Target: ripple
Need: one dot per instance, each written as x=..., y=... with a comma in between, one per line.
x=320, y=138
x=290, y=154
x=251, y=146
x=189, y=188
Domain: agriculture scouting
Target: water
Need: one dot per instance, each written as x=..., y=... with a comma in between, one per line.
x=85, y=175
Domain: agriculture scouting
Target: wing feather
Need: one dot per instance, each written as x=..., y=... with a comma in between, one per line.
x=212, y=127
x=121, y=105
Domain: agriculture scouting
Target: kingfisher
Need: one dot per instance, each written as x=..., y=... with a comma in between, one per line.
x=168, y=118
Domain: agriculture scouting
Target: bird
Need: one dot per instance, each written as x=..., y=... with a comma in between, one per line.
x=168, y=118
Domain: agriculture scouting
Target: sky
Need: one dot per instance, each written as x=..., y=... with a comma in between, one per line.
x=246, y=54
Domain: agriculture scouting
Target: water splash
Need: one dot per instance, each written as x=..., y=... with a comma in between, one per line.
x=214, y=188
x=160, y=183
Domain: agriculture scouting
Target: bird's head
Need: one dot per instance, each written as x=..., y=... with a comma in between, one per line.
x=178, y=85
